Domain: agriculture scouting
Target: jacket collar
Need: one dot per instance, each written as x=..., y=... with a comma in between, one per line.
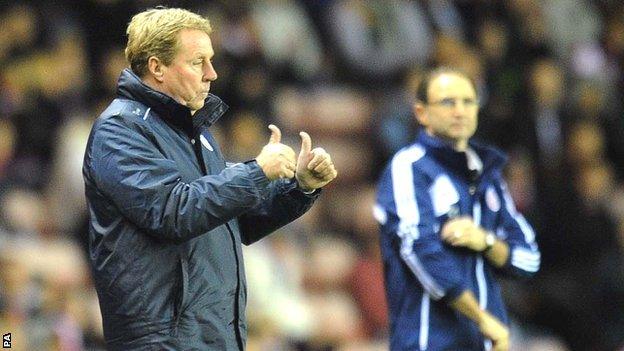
x=130, y=86
x=457, y=161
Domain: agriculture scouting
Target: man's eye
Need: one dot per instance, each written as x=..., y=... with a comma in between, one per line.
x=448, y=102
x=470, y=102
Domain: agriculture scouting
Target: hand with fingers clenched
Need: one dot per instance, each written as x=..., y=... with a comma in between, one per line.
x=276, y=159
x=496, y=331
x=464, y=232
x=314, y=166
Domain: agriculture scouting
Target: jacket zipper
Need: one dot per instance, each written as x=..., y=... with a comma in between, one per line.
x=239, y=338
x=480, y=270
x=179, y=298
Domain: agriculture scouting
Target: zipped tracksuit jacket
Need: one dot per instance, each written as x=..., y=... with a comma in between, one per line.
x=425, y=185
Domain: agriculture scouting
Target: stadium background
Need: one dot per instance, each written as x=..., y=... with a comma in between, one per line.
x=550, y=74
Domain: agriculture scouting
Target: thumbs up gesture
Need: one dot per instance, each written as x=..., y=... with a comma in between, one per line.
x=314, y=166
x=276, y=159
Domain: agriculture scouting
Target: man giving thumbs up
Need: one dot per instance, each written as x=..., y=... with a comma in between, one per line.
x=314, y=167
x=167, y=217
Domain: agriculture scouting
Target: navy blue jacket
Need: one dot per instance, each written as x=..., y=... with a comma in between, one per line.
x=167, y=219
x=425, y=185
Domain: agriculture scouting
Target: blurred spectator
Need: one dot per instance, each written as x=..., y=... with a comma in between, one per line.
x=366, y=279
x=21, y=32
x=447, y=18
x=377, y=39
x=529, y=30
x=394, y=118
x=568, y=24
x=589, y=249
x=282, y=308
x=65, y=190
x=540, y=131
x=7, y=145
x=502, y=83
x=287, y=39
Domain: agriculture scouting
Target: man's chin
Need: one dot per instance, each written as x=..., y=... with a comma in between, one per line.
x=462, y=133
x=195, y=105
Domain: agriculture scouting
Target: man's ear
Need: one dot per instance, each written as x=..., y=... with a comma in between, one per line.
x=420, y=112
x=155, y=68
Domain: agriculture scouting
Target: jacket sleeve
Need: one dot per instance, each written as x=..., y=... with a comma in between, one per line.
x=524, y=255
x=411, y=221
x=129, y=169
x=285, y=203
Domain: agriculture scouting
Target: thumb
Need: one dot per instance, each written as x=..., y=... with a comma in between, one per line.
x=306, y=144
x=276, y=134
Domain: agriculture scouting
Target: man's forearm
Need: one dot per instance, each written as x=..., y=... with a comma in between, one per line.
x=464, y=232
x=498, y=253
x=490, y=327
x=467, y=304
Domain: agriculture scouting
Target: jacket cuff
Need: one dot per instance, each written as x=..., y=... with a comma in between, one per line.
x=291, y=186
x=453, y=293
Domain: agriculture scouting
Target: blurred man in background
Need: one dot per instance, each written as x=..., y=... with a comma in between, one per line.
x=168, y=215
x=448, y=225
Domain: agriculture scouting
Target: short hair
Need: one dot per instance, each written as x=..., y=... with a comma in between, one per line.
x=422, y=92
x=154, y=32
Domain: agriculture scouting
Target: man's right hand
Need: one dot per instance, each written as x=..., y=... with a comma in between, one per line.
x=276, y=159
x=494, y=330
x=490, y=327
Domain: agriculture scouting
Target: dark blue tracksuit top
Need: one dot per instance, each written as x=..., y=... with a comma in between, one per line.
x=424, y=185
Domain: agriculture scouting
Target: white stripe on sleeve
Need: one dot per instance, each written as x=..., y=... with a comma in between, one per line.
x=424, y=322
x=526, y=259
x=529, y=234
x=409, y=216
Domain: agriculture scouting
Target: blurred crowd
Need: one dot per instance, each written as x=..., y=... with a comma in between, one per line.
x=550, y=75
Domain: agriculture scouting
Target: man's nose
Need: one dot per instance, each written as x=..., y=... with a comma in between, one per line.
x=210, y=74
x=460, y=108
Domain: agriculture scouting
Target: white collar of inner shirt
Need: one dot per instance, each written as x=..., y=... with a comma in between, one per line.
x=474, y=161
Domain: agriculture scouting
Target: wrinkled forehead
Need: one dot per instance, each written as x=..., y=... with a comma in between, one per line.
x=450, y=85
x=194, y=42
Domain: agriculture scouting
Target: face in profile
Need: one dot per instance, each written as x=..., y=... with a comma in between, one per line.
x=187, y=79
x=451, y=109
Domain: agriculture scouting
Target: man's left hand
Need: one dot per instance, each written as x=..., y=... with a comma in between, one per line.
x=464, y=232
x=314, y=166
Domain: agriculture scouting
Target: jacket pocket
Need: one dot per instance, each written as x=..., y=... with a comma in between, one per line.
x=179, y=294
